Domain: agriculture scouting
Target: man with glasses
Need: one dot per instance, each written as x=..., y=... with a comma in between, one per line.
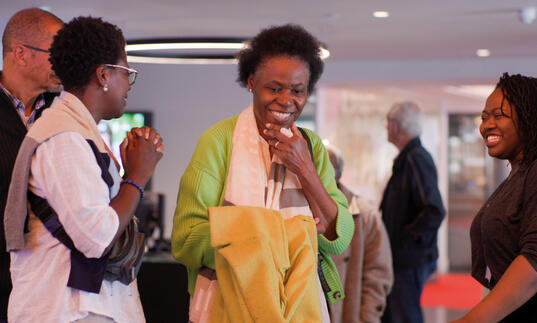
x=26, y=86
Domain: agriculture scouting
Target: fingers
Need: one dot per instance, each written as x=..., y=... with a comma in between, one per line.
x=272, y=126
x=130, y=136
x=295, y=131
x=144, y=132
x=123, y=145
x=157, y=138
x=288, y=133
x=159, y=144
x=279, y=145
x=320, y=227
x=137, y=131
x=273, y=131
x=147, y=133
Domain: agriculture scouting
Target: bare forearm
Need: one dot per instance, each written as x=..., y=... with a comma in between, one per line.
x=516, y=287
x=321, y=204
x=125, y=203
x=140, y=153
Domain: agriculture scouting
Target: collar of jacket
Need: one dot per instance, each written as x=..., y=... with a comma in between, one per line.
x=416, y=142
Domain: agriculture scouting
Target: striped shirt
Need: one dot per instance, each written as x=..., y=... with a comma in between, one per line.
x=21, y=109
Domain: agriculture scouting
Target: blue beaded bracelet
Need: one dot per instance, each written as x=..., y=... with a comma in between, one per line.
x=128, y=181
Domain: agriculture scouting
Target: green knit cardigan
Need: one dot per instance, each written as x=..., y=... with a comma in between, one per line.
x=203, y=185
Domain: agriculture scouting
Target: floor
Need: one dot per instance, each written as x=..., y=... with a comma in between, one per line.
x=441, y=315
x=448, y=297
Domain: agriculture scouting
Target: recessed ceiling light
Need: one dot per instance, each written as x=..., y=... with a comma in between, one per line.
x=381, y=14
x=482, y=52
x=325, y=53
x=46, y=8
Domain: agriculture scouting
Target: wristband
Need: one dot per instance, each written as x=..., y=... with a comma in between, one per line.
x=128, y=181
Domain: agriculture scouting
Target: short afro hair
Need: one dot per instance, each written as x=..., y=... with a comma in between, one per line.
x=287, y=40
x=81, y=46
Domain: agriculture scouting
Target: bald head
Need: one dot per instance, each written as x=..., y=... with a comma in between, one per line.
x=28, y=26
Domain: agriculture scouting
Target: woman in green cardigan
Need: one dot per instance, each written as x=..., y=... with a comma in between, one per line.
x=280, y=67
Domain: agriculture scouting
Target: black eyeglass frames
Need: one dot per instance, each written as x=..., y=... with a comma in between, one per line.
x=37, y=49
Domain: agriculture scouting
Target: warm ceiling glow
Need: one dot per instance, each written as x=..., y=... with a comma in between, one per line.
x=483, y=52
x=381, y=14
x=471, y=91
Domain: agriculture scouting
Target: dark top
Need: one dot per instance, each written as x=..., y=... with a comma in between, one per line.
x=505, y=227
x=12, y=132
x=412, y=208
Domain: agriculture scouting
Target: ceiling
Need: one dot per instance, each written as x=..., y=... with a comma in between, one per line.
x=416, y=29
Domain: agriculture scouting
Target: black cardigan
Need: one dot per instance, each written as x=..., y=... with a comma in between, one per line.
x=12, y=132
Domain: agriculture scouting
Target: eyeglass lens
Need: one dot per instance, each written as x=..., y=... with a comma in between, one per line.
x=132, y=77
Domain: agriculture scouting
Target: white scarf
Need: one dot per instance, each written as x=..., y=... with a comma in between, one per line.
x=254, y=179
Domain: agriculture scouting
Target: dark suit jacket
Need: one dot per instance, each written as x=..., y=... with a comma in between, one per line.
x=412, y=208
x=12, y=132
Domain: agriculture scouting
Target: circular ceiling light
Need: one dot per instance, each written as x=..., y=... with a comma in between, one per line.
x=189, y=50
x=184, y=50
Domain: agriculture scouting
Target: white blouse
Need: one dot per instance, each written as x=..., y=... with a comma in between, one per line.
x=65, y=172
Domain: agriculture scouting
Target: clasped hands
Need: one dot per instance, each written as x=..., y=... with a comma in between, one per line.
x=140, y=152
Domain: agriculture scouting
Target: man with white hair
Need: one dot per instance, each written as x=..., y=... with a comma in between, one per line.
x=25, y=83
x=412, y=212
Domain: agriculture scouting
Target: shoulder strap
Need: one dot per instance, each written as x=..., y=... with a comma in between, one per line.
x=305, y=135
x=49, y=218
x=49, y=98
x=86, y=273
x=320, y=258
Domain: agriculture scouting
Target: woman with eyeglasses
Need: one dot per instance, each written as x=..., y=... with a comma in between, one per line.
x=73, y=175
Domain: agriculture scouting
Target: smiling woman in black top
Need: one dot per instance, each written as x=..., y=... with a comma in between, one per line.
x=504, y=232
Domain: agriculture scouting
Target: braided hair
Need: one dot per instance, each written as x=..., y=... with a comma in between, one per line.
x=521, y=93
